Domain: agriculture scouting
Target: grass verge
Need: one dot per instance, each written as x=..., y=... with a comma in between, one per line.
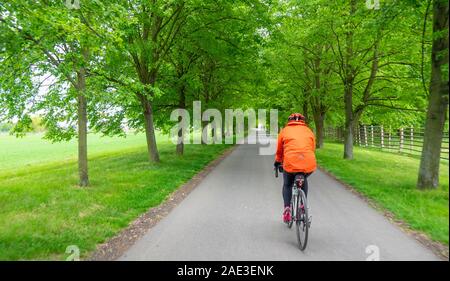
x=42, y=211
x=390, y=180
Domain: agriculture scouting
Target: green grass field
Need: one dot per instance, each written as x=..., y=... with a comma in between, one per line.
x=42, y=211
x=390, y=180
x=32, y=149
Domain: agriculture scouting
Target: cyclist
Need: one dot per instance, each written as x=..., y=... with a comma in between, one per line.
x=295, y=153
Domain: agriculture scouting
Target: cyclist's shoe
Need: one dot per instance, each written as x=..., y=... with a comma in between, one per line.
x=287, y=215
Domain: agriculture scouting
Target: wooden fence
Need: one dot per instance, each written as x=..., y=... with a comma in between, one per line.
x=407, y=140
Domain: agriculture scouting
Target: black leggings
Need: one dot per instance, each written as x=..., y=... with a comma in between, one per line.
x=287, y=187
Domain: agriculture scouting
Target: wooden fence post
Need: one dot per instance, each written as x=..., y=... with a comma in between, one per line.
x=411, y=141
x=389, y=138
x=382, y=136
x=400, y=146
x=357, y=135
x=371, y=135
x=360, y=136
x=365, y=135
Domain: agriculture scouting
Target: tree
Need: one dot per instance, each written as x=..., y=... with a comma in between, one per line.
x=210, y=59
x=437, y=100
x=369, y=60
x=306, y=38
x=59, y=49
x=140, y=35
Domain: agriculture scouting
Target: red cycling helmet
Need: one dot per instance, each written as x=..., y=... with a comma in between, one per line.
x=296, y=117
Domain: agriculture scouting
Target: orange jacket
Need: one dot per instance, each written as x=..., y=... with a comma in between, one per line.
x=296, y=147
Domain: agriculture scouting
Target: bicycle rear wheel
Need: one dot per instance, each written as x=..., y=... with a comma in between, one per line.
x=302, y=225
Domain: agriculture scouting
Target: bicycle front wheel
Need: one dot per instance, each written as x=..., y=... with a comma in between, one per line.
x=302, y=225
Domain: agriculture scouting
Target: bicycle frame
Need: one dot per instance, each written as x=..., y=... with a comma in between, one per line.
x=296, y=187
x=301, y=220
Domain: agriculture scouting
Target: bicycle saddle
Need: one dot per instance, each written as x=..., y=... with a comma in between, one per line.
x=299, y=179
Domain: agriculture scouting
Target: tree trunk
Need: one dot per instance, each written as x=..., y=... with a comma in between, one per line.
x=204, y=132
x=227, y=128
x=316, y=104
x=348, y=94
x=213, y=133
x=148, y=78
x=437, y=101
x=82, y=137
x=318, y=112
x=223, y=128
x=150, y=135
x=319, y=122
x=305, y=109
x=82, y=124
x=181, y=105
x=180, y=144
x=348, y=137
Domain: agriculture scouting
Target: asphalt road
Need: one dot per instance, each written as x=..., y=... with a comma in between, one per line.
x=235, y=214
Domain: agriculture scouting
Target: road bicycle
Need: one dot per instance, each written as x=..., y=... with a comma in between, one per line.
x=299, y=209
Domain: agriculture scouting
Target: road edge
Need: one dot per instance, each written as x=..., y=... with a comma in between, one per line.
x=116, y=246
x=439, y=249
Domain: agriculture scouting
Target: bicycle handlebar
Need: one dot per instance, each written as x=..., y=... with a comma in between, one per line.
x=278, y=169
